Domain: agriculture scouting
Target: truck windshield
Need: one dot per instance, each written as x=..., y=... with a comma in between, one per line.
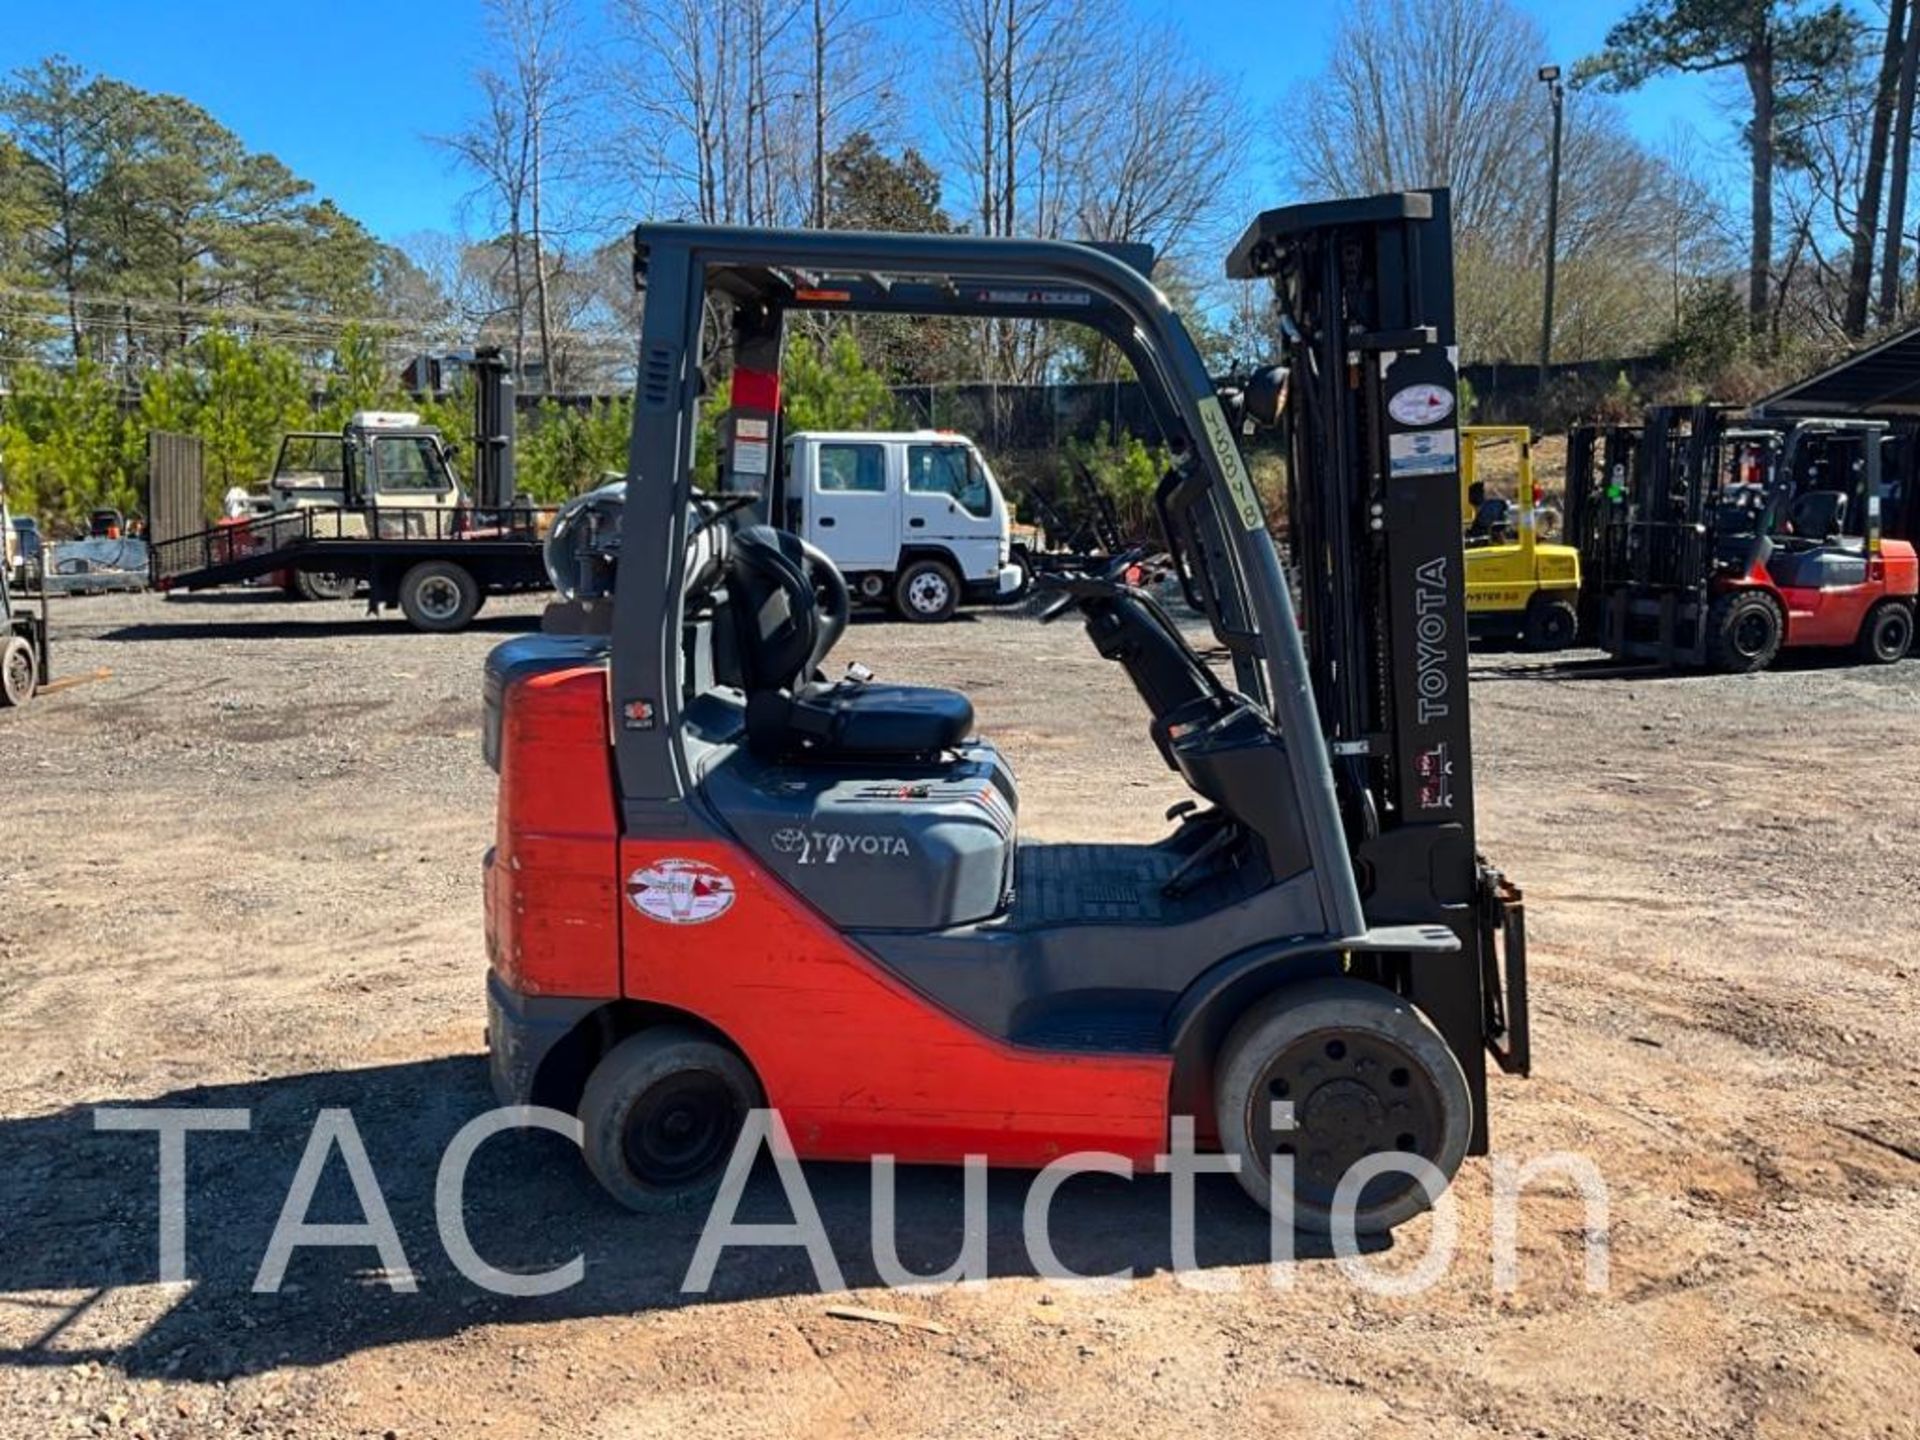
x=950, y=470
x=409, y=463
x=319, y=461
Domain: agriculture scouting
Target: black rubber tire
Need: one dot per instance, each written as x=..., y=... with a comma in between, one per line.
x=1018, y=557
x=926, y=591
x=309, y=585
x=1391, y=1066
x=1551, y=623
x=439, y=597
x=1886, y=635
x=19, y=671
x=710, y=1084
x=1744, y=631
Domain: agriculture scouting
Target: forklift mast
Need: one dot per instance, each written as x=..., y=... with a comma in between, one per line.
x=1364, y=292
x=493, y=429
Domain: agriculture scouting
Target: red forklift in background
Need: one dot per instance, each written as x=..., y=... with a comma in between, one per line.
x=722, y=879
x=1737, y=539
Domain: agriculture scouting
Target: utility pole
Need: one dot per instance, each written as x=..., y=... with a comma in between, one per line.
x=1550, y=77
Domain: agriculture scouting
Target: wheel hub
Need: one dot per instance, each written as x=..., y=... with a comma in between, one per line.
x=1750, y=636
x=928, y=593
x=439, y=597
x=1354, y=1094
x=680, y=1129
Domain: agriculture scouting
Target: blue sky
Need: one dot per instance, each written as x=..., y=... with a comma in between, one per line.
x=346, y=91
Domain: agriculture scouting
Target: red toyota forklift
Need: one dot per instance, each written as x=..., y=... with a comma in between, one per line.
x=726, y=875
x=1740, y=538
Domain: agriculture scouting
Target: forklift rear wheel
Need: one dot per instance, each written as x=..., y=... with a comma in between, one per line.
x=439, y=596
x=19, y=671
x=661, y=1113
x=314, y=585
x=1551, y=623
x=1366, y=1073
x=1744, y=629
x=927, y=591
x=1886, y=635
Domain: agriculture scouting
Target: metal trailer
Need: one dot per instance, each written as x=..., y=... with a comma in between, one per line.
x=437, y=564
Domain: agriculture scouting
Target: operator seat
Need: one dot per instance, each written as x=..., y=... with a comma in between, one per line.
x=776, y=585
x=1818, y=555
x=1818, y=515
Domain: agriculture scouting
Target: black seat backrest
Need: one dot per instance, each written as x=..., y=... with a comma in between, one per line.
x=1818, y=514
x=776, y=615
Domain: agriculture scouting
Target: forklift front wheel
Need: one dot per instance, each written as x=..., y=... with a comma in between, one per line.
x=661, y=1113
x=1886, y=634
x=1744, y=631
x=1328, y=1073
x=1551, y=623
x=19, y=671
x=439, y=596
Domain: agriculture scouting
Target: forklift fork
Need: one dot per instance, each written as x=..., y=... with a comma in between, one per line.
x=1503, y=968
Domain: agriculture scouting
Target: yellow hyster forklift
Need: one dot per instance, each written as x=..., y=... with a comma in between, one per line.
x=1517, y=587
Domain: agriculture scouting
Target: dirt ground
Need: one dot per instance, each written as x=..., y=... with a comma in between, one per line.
x=241, y=869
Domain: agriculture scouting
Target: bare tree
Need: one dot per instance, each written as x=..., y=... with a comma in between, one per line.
x=1890, y=267
x=1444, y=93
x=1034, y=70
x=528, y=113
x=1866, y=220
x=733, y=106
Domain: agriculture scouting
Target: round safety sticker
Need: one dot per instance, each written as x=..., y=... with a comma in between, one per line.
x=680, y=892
x=1421, y=404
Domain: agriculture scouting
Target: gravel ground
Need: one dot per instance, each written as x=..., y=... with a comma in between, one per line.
x=241, y=870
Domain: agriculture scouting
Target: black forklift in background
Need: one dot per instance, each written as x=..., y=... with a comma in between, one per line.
x=723, y=878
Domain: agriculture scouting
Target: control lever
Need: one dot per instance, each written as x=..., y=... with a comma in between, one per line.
x=1196, y=866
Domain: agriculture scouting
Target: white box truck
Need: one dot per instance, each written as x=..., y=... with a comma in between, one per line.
x=913, y=518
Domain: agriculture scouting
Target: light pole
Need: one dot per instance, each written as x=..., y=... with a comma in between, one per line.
x=1550, y=77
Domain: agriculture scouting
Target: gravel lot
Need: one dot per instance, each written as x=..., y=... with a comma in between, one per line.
x=241, y=870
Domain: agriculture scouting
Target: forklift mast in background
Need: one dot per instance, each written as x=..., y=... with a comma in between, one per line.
x=493, y=430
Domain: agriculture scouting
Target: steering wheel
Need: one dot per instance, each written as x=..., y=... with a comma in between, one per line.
x=1072, y=589
x=832, y=600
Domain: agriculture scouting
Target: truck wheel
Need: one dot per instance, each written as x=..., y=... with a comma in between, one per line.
x=660, y=1116
x=19, y=671
x=1366, y=1074
x=1744, y=630
x=1019, y=558
x=318, y=585
x=1551, y=623
x=927, y=591
x=439, y=596
x=871, y=587
x=1886, y=634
